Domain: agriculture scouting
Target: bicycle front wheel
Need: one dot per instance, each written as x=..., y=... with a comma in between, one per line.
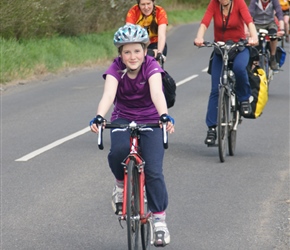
x=283, y=41
x=222, y=123
x=265, y=65
x=146, y=229
x=232, y=142
x=133, y=207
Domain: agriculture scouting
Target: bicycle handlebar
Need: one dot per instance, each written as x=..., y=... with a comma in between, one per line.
x=159, y=58
x=225, y=47
x=132, y=126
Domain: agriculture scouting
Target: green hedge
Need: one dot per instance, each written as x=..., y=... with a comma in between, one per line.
x=45, y=18
x=22, y=19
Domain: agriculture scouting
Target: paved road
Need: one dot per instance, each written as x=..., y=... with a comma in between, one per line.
x=56, y=185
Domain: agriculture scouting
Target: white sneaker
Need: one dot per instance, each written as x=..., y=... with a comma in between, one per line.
x=161, y=234
x=117, y=200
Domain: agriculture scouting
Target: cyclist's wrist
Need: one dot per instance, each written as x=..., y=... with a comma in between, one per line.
x=171, y=119
x=166, y=118
x=97, y=120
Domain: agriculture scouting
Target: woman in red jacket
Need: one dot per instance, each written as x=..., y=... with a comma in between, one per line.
x=229, y=18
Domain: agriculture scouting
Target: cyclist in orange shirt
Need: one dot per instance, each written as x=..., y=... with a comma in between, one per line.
x=154, y=19
x=285, y=9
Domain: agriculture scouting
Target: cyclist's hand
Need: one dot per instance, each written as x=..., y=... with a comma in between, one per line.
x=158, y=56
x=97, y=121
x=169, y=122
x=198, y=41
x=253, y=41
x=280, y=33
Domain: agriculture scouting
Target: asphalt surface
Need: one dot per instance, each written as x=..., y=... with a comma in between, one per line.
x=56, y=185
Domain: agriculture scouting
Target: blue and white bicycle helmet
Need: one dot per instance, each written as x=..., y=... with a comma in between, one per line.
x=130, y=33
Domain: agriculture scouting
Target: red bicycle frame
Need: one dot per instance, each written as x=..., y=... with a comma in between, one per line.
x=139, y=162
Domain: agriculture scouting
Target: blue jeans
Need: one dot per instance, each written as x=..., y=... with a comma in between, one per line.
x=243, y=89
x=152, y=152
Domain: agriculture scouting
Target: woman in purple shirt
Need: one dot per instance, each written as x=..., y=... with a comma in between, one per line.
x=133, y=84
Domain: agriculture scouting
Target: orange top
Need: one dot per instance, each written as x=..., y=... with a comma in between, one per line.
x=284, y=4
x=134, y=16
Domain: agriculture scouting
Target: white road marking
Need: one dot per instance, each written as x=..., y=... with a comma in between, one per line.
x=53, y=145
x=186, y=80
x=74, y=135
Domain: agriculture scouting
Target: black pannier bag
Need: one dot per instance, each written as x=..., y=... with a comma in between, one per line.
x=169, y=88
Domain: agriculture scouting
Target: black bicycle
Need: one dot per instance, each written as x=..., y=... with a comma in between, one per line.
x=264, y=53
x=228, y=107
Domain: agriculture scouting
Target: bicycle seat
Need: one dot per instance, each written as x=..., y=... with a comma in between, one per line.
x=263, y=31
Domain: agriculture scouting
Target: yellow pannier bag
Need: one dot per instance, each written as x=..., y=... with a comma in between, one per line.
x=259, y=88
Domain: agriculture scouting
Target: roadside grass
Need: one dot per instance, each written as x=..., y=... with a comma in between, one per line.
x=27, y=58
x=36, y=57
x=185, y=16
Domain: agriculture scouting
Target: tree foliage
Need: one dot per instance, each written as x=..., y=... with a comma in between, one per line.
x=22, y=19
x=45, y=18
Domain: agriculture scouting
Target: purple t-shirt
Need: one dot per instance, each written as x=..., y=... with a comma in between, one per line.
x=133, y=100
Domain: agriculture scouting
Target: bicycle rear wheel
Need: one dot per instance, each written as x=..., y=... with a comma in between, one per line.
x=222, y=123
x=133, y=207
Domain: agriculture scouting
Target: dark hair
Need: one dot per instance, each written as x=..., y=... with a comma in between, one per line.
x=153, y=25
x=138, y=1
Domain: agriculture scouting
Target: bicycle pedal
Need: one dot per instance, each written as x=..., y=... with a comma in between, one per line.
x=212, y=145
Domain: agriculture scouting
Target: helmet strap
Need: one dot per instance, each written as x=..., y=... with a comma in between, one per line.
x=128, y=70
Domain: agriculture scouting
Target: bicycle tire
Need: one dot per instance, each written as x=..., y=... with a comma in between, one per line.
x=133, y=223
x=282, y=41
x=264, y=63
x=269, y=71
x=232, y=142
x=222, y=123
x=146, y=231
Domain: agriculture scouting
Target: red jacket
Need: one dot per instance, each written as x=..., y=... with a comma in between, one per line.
x=235, y=27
